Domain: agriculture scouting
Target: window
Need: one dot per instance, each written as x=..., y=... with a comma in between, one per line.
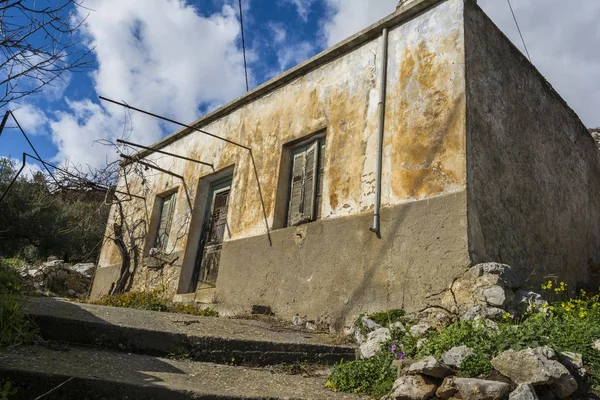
x=165, y=217
x=306, y=182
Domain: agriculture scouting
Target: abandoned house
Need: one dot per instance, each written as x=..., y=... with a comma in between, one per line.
x=431, y=113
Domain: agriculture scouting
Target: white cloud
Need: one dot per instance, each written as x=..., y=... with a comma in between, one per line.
x=30, y=169
x=562, y=39
x=278, y=31
x=167, y=58
x=32, y=119
x=348, y=17
x=303, y=7
x=293, y=54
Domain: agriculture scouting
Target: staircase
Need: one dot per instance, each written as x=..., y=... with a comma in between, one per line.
x=97, y=352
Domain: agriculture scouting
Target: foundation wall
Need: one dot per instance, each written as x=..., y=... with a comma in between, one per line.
x=333, y=270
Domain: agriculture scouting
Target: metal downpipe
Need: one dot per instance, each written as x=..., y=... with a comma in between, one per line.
x=376, y=228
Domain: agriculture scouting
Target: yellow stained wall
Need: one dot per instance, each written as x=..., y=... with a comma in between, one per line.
x=424, y=148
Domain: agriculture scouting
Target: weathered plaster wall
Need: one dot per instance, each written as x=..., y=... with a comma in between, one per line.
x=334, y=270
x=424, y=148
x=533, y=168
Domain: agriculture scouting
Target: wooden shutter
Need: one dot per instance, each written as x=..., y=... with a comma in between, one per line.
x=310, y=181
x=295, y=211
x=164, y=223
x=318, y=195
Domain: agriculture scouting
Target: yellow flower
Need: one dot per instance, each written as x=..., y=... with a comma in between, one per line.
x=582, y=314
x=545, y=305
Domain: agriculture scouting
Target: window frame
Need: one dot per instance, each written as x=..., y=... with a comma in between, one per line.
x=317, y=196
x=157, y=220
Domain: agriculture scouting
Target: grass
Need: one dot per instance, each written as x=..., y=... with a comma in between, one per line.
x=567, y=324
x=153, y=300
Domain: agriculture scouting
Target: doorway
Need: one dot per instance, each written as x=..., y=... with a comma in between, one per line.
x=214, y=229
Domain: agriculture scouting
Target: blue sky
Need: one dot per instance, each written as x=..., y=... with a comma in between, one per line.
x=182, y=58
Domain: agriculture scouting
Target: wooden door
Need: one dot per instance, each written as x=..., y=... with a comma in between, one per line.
x=214, y=230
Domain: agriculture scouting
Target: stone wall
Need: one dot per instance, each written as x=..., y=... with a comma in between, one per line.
x=533, y=169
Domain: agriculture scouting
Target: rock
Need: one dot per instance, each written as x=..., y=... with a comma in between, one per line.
x=402, y=366
x=596, y=345
x=420, y=329
x=524, y=391
x=456, y=355
x=571, y=360
x=436, y=317
x=412, y=387
x=564, y=386
x=298, y=320
x=421, y=342
x=398, y=326
x=86, y=269
x=447, y=389
x=52, y=258
x=52, y=263
x=544, y=393
x=535, y=366
x=359, y=337
x=528, y=301
x=507, y=277
x=479, y=312
x=495, y=295
x=374, y=341
x=369, y=325
x=479, y=389
x=429, y=366
x=311, y=326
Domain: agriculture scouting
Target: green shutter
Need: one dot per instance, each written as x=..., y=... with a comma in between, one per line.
x=297, y=187
x=310, y=182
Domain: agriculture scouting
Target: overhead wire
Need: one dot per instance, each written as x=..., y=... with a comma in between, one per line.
x=244, y=45
x=518, y=28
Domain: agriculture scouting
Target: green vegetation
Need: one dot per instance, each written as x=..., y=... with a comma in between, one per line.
x=15, y=327
x=565, y=325
x=374, y=376
x=38, y=221
x=6, y=390
x=383, y=318
x=153, y=300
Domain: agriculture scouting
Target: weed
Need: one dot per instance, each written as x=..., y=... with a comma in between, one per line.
x=154, y=300
x=7, y=390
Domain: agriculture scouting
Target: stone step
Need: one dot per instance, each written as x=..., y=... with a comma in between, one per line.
x=210, y=339
x=88, y=374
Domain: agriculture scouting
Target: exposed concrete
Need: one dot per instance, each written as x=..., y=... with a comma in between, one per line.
x=533, y=168
x=336, y=269
x=223, y=340
x=106, y=375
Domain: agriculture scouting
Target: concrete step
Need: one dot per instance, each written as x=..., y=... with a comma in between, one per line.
x=210, y=339
x=88, y=374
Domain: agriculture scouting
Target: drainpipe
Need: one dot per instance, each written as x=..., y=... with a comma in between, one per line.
x=382, y=90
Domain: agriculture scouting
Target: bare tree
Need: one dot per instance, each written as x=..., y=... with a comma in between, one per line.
x=38, y=45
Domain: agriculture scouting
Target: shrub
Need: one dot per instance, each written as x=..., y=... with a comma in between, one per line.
x=15, y=327
x=383, y=318
x=7, y=390
x=565, y=325
x=375, y=376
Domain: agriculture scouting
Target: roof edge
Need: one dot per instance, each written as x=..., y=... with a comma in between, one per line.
x=401, y=14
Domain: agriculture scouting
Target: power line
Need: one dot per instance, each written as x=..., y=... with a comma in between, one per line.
x=518, y=28
x=244, y=45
